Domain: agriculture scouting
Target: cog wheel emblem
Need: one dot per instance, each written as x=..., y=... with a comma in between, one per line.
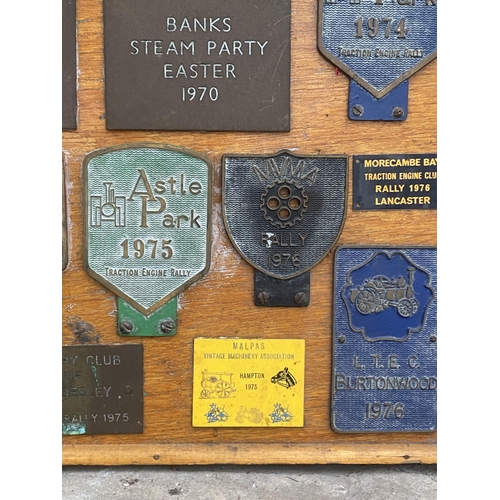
x=283, y=203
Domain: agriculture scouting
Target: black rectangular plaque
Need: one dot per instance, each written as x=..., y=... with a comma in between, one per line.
x=102, y=389
x=189, y=65
x=69, y=64
x=395, y=182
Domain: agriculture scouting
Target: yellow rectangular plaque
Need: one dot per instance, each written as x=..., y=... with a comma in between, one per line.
x=248, y=383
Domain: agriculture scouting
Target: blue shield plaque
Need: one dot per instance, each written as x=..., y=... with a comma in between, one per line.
x=378, y=43
x=385, y=356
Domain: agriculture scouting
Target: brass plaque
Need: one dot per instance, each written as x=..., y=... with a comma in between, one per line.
x=213, y=65
x=102, y=389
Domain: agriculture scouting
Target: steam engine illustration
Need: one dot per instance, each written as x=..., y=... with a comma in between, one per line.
x=111, y=209
x=378, y=293
x=217, y=384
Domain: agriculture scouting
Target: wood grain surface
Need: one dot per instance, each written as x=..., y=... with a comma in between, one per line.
x=221, y=304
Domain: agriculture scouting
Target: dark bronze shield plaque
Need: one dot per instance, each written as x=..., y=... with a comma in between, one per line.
x=69, y=64
x=284, y=213
x=213, y=65
x=102, y=389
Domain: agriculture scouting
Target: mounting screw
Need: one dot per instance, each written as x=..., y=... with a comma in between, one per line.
x=357, y=110
x=263, y=298
x=433, y=338
x=300, y=298
x=398, y=112
x=167, y=325
x=126, y=327
x=341, y=339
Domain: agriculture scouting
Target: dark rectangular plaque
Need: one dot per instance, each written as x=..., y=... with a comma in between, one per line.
x=102, y=389
x=395, y=182
x=69, y=64
x=213, y=65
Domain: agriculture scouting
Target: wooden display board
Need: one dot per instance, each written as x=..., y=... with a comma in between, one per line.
x=221, y=304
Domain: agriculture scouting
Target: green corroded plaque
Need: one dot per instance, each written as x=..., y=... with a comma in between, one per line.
x=147, y=221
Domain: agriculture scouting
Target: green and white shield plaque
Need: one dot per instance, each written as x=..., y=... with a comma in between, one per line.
x=147, y=210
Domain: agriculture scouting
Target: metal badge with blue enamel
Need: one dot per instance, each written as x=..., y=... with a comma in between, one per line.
x=283, y=213
x=379, y=44
x=147, y=229
x=385, y=337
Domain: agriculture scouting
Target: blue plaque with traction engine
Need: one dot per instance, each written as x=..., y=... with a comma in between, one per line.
x=385, y=338
x=379, y=44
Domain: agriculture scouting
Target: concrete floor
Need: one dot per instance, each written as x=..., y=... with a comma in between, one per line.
x=231, y=482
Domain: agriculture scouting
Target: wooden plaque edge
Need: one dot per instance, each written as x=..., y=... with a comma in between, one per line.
x=249, y=453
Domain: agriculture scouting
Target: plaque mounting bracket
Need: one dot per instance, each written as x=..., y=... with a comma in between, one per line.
x=160, y=323
x=364, y=106
x=274, y=292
